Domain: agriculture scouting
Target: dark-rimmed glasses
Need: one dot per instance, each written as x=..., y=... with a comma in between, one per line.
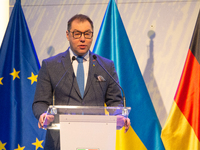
x=78, y=34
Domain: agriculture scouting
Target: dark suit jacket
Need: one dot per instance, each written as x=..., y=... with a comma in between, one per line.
x=67, y=91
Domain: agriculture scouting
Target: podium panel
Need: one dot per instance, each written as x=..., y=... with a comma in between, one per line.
x=86, y=127
x=87, y=132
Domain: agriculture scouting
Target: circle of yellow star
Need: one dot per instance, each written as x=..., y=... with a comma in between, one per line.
x=19, y=148
x=2, y=146
x=15, y=74
x=38, y=144
x=33, y=78
x=1, y=81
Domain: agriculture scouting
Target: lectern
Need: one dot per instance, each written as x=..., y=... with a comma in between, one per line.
x=87, y=127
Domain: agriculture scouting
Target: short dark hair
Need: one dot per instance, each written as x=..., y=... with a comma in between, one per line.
x=81, y=18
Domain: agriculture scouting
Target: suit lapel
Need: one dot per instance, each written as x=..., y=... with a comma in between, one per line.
x=91, y=73
x=66, y=61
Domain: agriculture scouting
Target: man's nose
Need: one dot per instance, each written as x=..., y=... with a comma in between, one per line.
x=82, y=38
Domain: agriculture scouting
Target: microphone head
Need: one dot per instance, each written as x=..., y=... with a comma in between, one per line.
x=94, y=56
x=73, y=58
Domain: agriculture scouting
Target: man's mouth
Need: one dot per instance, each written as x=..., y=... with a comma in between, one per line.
x=82, y=46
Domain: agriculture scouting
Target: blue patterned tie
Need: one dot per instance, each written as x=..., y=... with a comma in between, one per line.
x=80, y=75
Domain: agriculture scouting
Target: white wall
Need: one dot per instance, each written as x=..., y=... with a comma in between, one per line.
x=4, y=17
x=166, y=24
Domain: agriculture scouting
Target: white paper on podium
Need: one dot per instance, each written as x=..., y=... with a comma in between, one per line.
x=87, y=132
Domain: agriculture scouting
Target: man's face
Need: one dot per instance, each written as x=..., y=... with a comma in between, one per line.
x=81, y=45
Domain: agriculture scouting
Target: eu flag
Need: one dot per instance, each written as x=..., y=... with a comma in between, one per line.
x=19, y=67
x=113, y=43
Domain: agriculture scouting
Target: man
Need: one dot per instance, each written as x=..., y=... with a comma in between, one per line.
x=59, y=74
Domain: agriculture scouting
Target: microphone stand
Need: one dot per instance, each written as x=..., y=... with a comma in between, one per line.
x=125, y=111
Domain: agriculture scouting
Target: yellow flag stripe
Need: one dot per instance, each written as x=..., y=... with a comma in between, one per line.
x=128, y=141
x=177, y=132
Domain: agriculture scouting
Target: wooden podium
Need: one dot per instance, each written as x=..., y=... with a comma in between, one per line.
x=87, y=127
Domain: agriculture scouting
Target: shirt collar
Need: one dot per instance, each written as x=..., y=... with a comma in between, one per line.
x=85, y=57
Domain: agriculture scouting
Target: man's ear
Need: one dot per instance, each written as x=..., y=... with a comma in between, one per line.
x=67, y=34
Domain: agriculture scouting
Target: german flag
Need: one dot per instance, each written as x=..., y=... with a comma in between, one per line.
x=182, y=129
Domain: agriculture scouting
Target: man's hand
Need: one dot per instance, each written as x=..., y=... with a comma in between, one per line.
x=127, y=124
x=122, y=121
x=49, y=119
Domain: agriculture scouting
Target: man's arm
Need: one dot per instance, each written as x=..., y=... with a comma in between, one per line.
x=43, y=93
x=113, y=94
x=114, y=98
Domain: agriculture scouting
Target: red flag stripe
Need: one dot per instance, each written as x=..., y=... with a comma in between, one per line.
x=187, y=96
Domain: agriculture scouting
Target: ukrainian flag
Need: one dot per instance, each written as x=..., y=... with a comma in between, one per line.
x=113, y=43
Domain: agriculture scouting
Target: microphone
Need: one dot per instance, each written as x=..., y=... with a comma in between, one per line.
x=73, y=58
x=124, y=99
